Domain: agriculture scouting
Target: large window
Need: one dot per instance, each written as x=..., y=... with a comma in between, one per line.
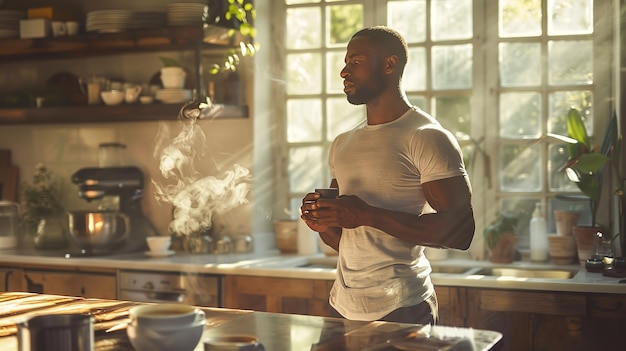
x=499, y=74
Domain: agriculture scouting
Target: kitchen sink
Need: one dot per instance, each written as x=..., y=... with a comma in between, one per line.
x=330, y=262
x=529, y=273
x=450, y=269
x=326, y=262
x=333, y=265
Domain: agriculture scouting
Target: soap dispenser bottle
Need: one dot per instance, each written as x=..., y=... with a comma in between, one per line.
x=538, y=236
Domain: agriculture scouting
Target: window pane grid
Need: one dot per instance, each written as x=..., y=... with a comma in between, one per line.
x=531, y=95
x=317, y=83
x=538, y=82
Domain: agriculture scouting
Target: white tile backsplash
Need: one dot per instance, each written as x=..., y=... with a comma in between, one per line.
x=69, y=147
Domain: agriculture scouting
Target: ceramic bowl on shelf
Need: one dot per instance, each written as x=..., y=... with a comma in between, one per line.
x=112, y=97
x=173, y=81
x=146, y=99
x=173, y=77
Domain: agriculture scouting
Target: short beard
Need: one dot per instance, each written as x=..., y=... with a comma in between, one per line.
x=372, y=90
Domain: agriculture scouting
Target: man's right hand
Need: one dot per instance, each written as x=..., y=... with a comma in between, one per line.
x=308, y=205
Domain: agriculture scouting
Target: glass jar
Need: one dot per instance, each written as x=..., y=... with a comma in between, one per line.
x=111, y=154
x=9, y=224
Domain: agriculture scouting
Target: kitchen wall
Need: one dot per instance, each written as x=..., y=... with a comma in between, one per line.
x=64, y=148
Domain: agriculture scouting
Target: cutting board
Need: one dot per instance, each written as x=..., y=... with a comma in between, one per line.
x=8, y=183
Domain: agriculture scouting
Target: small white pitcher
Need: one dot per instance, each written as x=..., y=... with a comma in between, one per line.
x=132, y=94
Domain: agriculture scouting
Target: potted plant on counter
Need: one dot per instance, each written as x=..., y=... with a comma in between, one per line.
x=500, y=237
x=42, y=213
x=585, y=166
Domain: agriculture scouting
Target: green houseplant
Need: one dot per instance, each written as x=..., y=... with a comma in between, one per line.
x=42, y=211
x=230, y=22
x=586, y=165
x=500, y=238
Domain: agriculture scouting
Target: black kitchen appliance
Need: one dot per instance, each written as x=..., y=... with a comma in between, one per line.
x=118, y=190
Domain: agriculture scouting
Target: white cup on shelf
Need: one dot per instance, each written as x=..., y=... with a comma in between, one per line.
x=72, y=28
x=131, y=94
x=58, y=28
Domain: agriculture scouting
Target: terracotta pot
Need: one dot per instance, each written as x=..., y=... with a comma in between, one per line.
x=286, y=232
x=584, y=236
x=565, y=221
x=504, y=251
x=562, y=249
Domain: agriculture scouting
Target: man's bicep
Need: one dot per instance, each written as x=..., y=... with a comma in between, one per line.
x=448, y=194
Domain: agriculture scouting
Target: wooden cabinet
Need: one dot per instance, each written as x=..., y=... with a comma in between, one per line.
x=281, y=295
x=452, y=305
x=11, y=279
x=99, y=44
x=97, y=284
x=538, y=320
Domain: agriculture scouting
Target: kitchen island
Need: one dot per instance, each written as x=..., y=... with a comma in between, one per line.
x=535, y=306
x=278, y=332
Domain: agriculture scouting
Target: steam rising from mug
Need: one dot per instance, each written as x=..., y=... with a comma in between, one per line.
x=195, y=198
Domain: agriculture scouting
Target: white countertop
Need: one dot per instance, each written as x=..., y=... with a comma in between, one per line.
x=293, y=266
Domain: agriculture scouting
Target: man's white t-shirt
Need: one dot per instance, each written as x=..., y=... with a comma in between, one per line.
x=385, y=165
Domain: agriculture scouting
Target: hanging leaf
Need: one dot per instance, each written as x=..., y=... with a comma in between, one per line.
x=169, y=62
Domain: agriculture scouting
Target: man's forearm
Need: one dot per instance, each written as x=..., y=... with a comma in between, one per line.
x=448, y=230
x=331, y=237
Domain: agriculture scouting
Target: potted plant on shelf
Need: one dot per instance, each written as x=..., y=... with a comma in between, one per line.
x=229, y=22
x=585, y=166
x=500, y=237
x=172, y=74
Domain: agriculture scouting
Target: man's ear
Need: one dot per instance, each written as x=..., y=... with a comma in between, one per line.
x=391, y=63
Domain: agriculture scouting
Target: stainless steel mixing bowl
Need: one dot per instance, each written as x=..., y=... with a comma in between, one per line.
x=95, y=230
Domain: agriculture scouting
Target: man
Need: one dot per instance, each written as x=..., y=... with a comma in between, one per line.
x=402, y=186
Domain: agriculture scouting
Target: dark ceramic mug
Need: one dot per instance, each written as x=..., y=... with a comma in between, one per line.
x=56, y=332
x=327, y=193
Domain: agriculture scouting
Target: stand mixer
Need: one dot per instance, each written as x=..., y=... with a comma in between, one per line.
x=119, y=225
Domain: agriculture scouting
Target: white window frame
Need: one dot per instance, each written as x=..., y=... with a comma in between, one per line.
x=485, y=87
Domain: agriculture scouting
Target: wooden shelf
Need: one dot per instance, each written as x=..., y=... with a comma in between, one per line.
x=106, y=114
x=93, y=44
x=98, y=44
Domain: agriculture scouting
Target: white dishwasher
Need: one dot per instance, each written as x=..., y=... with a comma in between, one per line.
x=169, y=287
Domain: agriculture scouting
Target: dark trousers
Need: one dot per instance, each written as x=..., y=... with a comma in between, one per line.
x=424, y=313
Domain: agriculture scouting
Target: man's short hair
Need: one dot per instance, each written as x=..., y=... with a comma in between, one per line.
x=387, y=38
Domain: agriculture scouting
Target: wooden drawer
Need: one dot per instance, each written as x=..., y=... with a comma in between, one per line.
x=607, y=305
x=550, y=303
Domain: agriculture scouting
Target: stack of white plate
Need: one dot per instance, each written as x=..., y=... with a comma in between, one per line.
x=185, y=13
x=108, y=21
x=173, y=95
x=147, y=19
x=10, y=23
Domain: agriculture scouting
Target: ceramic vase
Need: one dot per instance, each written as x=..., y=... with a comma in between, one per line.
x=565, y=221
x=51, y=234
